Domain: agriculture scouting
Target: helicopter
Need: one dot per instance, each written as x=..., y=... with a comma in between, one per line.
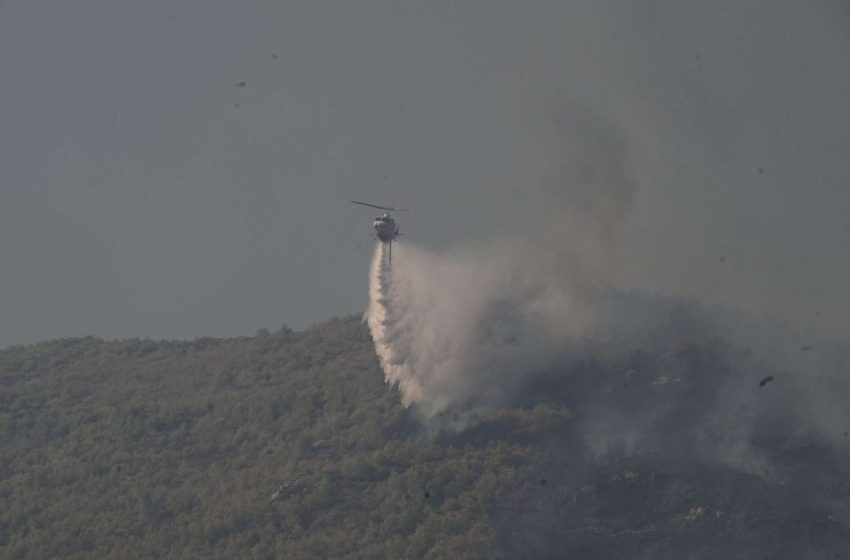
x=386, y=228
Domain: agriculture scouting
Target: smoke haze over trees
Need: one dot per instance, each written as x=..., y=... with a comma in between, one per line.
x=291, y=444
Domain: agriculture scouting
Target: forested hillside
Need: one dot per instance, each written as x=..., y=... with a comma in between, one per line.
x=290, y=445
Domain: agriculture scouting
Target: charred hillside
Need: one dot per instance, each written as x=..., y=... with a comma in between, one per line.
x=290, y=444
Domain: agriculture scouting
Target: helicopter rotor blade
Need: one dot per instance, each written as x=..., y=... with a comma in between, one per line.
x=380, y=207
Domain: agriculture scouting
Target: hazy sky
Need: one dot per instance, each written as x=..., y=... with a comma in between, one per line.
x=146, y=193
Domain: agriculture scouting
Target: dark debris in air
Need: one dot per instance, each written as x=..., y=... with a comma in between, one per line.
x=765, y=381
x=806, y=347
x=242, y=84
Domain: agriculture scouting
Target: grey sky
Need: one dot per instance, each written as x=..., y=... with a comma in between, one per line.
x=146, y=194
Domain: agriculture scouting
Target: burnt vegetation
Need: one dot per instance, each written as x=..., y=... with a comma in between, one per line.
x=290, y=445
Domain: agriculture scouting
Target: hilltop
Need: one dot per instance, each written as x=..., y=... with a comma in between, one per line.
x=289, y=444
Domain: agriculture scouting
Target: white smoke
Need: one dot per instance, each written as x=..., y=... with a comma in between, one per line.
x=460, y=328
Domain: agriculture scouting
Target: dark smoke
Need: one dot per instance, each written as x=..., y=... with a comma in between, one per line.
x=475, y=328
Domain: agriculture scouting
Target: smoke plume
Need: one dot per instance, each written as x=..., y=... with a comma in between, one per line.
x=460, y=328
x=450, y=330
x=466, y=329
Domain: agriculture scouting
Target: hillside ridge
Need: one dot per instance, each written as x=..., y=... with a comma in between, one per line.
x=290, y=444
